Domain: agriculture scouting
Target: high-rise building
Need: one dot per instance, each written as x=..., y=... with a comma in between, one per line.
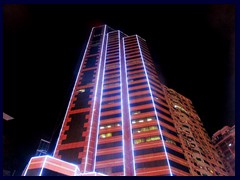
x=122, y=121
x=224, y=141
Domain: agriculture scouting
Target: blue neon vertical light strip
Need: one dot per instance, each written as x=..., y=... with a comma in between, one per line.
x=120, y=66
x=100, y=106
x=154, y=107
x=44, y=162
x=129, y=115
x=74, y=87
x=95, y=97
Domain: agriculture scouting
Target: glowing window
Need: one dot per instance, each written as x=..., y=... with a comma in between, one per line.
x=152, y=138
x=136, y=112
x=143, y=120
x=137, y=141
x=109, y=125
x=170, y=141
x=106, y=135
x=149, y=119
x=81, y=90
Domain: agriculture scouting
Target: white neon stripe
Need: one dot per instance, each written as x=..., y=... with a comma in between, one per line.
x=74, y=87
x=100, y=106
x=123, y=142
x=44, y=162
x=95, y=97
x=154, y=107
x=101, y=174
x=126, y=79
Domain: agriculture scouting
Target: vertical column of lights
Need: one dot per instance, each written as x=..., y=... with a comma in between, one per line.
x=126, y=79
x=74, y=87
x=100, y=107
x=95, y=97
x=44, y=162
x=120, y=66
x=154, y=106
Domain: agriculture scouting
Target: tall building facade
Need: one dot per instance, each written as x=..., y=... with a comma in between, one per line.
x=224, y=142
x=121, y=121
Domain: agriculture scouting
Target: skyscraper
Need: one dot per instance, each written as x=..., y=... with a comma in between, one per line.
x=121, y=120
x=224, y=142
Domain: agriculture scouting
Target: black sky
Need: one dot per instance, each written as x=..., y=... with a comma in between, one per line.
x=193, y=47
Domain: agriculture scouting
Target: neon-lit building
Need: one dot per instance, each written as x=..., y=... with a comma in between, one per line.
x=121, y=121
x=224, y=141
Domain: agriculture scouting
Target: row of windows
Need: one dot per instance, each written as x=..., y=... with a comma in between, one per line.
x=135, y=69
x=147, y=139
x=109, y=145
x=110, y=134
x=141, y=103
x=134, y=53
x=109, y=170
x=179, y=166
x=144, y=129
x=136, y=79
x=112, y=67
x=111, y=102
x=115, y=69
x=169, y=131
x=111, y=95
x=140, y=96
x=162, y=112
x=151, y=164
x=143, y=120
x=157, y=88
x=137, y=84
x=109, y=156
x=169, y=140
x=165, y=121
x=111, y=116
x=134, y=65
x=162, y=106
x=110, y=125
x=111, y=89
x=136, y=74
x=111, y=108
x=112, y=62
x=154, y=138
x=112, y=84
x=106, y=83
x=114, y=78
x=138, y=90
x=157, y=150
x=142, y=111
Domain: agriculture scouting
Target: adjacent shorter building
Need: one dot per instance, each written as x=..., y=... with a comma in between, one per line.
x=122, y=121
x=224, y=141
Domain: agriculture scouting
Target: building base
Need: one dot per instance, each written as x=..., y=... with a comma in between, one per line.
x=50, y=166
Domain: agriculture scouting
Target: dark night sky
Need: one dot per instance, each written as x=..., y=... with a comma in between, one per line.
x=192, y=46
